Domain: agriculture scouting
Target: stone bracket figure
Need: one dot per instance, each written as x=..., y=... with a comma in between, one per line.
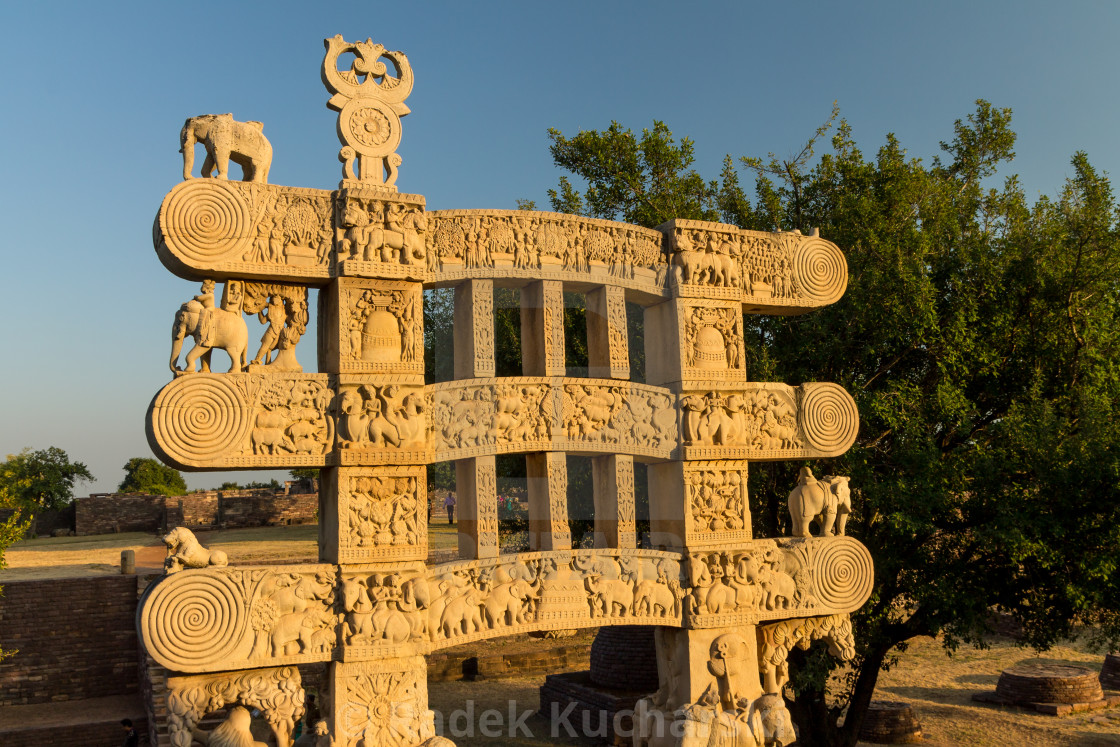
x=211, y=328
x=225, y=140
x=185, y=551
x=827, y=500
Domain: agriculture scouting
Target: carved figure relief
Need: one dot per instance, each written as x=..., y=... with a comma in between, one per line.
x=375, y=229
x=234, y=420
x=211, y=619
x=277, y=693
x=769, y=421
x=382, y=514
x=185, y=551
x=381, y=417
x=283, y=309
x=520, y=414
x=717, y=503
x=827, y=500
x=225, y=139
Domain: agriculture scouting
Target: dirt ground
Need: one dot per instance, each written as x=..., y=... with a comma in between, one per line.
x=937, y=686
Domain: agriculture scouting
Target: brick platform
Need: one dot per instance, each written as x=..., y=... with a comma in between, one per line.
x=890, y=722
x=1052, y=689
x=625, y=657
x=594, y=705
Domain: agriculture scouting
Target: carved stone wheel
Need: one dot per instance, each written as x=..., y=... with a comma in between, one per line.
x=1110, y=672
x=1049, y=683
x=890, y=722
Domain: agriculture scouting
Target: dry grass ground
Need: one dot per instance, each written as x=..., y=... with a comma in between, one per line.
x=937, y=686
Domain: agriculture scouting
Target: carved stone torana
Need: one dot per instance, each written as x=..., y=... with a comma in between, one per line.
x=727, y=607
x=276, y=693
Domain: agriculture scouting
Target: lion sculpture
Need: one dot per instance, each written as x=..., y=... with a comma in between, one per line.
x=184, y=551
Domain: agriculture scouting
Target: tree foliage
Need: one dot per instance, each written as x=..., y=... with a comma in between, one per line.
x=42, y=479
x=979, y=336
x=145, y=475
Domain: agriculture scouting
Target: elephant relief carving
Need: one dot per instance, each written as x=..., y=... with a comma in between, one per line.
x=225, y=140
x=211, y=328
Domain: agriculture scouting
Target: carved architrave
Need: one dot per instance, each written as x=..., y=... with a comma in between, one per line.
x=210, y=228
x=243, y=421
x=214, y=619
x=381, y=702
x=544, y=246
x=382, y=514
x=276, y=692
x=412, y=610
x=381, y=421
x=374, y=327
x=766, y=421
x=770, y=580
x=380, y=234
x=782, y=272
x=508, y=415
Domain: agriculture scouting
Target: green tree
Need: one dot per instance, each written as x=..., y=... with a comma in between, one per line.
x=304, y=473
x=979, y=337
x=42, y=479
x=145, y=475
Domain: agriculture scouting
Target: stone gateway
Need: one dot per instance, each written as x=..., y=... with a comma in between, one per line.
x=727, y=607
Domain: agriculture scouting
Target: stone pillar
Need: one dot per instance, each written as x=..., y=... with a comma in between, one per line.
x=548, y=501
x=613, y=478
x=542, y=328
x=607, y=354
x=477, y=508
x=474, y=329
x=373, y=514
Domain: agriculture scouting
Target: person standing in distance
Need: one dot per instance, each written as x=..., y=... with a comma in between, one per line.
x=449, y=504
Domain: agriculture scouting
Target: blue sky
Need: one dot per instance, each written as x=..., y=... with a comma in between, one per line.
x=93, y=97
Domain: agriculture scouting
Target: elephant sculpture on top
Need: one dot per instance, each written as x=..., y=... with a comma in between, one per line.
x=211, y=328
x=828, y=500
x=226, y=139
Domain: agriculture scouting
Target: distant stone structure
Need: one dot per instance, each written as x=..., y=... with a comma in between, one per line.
x=727, y=607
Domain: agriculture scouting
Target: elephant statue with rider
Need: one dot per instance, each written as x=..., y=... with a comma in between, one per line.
x=226, y=139
x=211, y=328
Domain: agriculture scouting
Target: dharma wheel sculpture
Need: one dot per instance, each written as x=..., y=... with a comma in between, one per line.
x=728, y=606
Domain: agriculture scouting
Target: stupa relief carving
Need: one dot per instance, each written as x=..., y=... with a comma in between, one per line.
x=727, y=607
x=828, y=500
x=226, y=139
x=277, y=693
x=185, y=551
